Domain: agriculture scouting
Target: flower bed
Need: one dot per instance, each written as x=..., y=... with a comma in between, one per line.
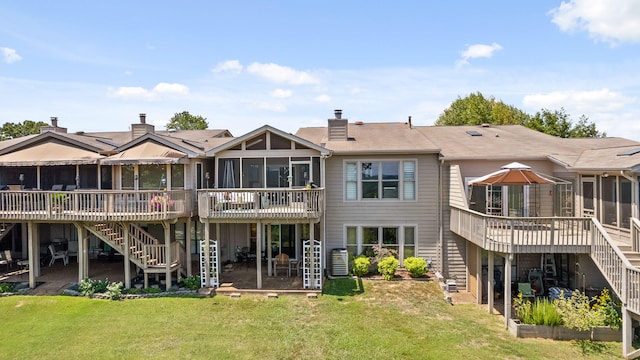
x=596, y=333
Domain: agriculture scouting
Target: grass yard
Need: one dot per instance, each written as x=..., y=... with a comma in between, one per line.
x=353, y=320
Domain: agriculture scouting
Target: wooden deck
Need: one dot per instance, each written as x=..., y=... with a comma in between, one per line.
x=241, y=205
x=95, y=205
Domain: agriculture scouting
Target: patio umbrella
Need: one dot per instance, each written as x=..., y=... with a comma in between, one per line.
x=512, y=175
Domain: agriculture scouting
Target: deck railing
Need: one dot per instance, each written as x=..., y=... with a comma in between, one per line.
x=522, y=234
x=255, y=204
x=95, y=205
x=635, y=234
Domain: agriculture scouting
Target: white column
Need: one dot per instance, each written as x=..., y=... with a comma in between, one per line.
x=479, y=275
x=127, y=264
x=259, y=251
x=490, y=293
x=82, y=253
x=507, y=289
x=167, y=243
x=187, y=245
x=204, y=251
x=269, y=250
x=34, y=254
x=312, y=275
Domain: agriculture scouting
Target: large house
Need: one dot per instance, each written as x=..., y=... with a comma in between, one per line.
x=165, y=199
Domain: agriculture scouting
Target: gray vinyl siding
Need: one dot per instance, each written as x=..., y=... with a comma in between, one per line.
x=421, y=213
x=457, y=195
x=454, y=252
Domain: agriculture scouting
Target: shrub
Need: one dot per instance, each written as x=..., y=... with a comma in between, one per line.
x=545, y=313
x=361, y=265
x=387, y=267
x=523, y=309
x=152, y=290
x=114, y=290
x=415, y=266
x=576, y=311
x=6, y=287
x=88, y=287
x=191, y=282
x=610, y=312
x=134, y=291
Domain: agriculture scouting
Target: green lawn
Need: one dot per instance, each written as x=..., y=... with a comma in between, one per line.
x=374, y=320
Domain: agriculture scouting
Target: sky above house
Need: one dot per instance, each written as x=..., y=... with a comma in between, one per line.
x=242, y=64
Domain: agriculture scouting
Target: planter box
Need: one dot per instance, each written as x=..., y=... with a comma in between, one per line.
x=598, y=333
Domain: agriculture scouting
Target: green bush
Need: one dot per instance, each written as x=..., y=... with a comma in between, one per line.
x=88, y=287
x=545, y=313
x=6, y=287
x=415, y=266
x=152, y=290
x=114, y=290
x=361, y=265
x=191, y=282
x=387, y=267
x=523, y=309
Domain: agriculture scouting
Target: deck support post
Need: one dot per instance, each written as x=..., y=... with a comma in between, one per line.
x=258, y=252
x=627, y=331
x=34, y=253
x=83, y=252
x=508, y=259
x=187, y=245
x=270, y=253
x=204, y=251
x=490, y=292
x=312, y=258
x=127, y=252
x=478, y=274
x=168, y=261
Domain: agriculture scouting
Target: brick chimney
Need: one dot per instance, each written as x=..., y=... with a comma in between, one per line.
x=141, y=128
x=54, y=127
x=338, y=127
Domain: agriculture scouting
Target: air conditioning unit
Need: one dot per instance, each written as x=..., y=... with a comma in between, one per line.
x=339, y=262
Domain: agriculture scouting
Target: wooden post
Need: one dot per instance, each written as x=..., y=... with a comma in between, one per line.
x=127, y=252
x=479, y=274
x=258, y=252
x=34, y=254
x=507, y=289
x=490, y=293
x=269, y=250
x=204, y=251
x=167, y=243
x=312, y=277
x=187, y=245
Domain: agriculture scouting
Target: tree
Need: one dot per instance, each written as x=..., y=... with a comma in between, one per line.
x=475, y=109
x=15, y=130
x=186, y=121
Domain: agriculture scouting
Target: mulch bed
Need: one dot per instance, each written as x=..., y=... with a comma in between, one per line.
x=401, y=275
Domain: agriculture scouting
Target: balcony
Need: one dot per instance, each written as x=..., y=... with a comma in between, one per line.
x=523, y=234
x=95, y=205
x=242, y=205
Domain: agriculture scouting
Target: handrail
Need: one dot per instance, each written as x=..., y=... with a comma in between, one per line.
x=95, y=205
x=635, y=234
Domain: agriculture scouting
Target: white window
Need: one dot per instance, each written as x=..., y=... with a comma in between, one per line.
x=362, y=239
x=380, y=180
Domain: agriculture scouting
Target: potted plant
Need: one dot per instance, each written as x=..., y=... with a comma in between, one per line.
x=160, y=202
x=58, y=200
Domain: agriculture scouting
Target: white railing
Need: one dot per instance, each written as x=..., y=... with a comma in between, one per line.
x=95, y=205
x=521, y=234
x=635, y=234
x=239, y=204
x=621, y=275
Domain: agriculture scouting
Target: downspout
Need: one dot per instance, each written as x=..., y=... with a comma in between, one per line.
x=440, y=207
x=323, y=226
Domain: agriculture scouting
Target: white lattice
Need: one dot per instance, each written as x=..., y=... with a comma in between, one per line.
x=214, y=264
x=312, y=264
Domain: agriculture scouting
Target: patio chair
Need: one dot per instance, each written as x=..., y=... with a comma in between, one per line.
x=69, y=187
x=58, y=254
x=526, y=290
x=6, y=259
x=57, y=187
x=282, y=262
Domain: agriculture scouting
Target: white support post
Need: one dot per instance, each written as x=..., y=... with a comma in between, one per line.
x=490, y=293
x=258, y=260
x=478, y=275
x=167, y=243
x=204, y=251
x=507, y=289
x=627, y=331
x=187, y=245
x=34, y=254
x=127, y=253
x=312, y=278
x=269, y=251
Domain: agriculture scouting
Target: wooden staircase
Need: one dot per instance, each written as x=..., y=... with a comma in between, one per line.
x=5, y=228
x=144, y=250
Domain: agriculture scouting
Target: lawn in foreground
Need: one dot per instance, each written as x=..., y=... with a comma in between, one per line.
x=352, y=320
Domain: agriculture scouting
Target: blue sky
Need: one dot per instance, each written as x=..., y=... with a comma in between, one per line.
x=289, y=64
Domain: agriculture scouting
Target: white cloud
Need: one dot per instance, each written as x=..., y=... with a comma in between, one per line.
x=10, y=55
x=281, y=93
x=140, y=93
x=612, y=22
x=324, y=98
x=233, y=66
x=478, y=51
x=281, y=74
x=271, y=106
x=603, y=100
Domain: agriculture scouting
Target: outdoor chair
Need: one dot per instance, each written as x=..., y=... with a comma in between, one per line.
x=282, y=262
x=69, y=187
x=58, y=254
x=57, y=187
x=6, y=259
x=526, y=290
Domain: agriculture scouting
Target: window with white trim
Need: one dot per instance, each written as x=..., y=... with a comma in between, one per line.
x=362, y=239
x=392, y=179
